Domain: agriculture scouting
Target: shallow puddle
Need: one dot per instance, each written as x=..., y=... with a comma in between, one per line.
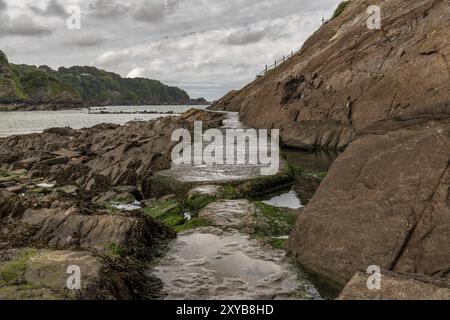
x=128, y=206
x=288, y=200
x=213, y=264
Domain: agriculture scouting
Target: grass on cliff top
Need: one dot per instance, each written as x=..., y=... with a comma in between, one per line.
x=340, y=9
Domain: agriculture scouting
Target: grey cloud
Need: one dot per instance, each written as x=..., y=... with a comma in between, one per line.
x=245, y=36
x=111, y=58
x=154, y=11
x=23, y=26
x=3, y=5
x=86, y=40
x=105, y=9
x=53, y=9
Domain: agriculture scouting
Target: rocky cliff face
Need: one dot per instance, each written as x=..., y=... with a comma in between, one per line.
x=347, y=77
x=385, y=94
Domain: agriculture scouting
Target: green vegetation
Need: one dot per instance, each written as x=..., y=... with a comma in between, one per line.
x=98, y=86
x=322, y=175
x=12, y=271
x=194, y=223
x=298, y=169
x=341, y=7
x=111, y=207
x=229, y=192
x=168, y=212
x=42, y=87
x=277, y=242
x=3, y=58
x=123, y=198
x=4, y=173
x=199, y=201
x=278, y=223
x=116, y=250
x=39, y=190
x=172, y=215
x=275, y=227
x=82, y=84
x=268, y=184
x=10, y=87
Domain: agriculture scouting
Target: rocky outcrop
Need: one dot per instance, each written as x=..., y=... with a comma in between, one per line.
x=347, y=77
x=101, y=157
x=385, y=202
x=231, y=213
x=68, y=197
x=31, y=274
x=394, y=286
x=137, y=235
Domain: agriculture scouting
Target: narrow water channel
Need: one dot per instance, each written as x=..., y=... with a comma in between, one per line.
x=225, y=263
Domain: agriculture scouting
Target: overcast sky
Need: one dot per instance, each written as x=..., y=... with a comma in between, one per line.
x=206, y=47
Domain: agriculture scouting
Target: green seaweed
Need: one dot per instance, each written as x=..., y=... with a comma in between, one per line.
x=267, y=184
x=199, y=201
x=168, y=212
x=115, y=249
x=12, y=271
x=229, y=192
x=277, y=243
x=194, y=223
x=278, y=223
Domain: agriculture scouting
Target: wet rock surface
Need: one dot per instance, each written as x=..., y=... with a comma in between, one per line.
x=385, y=203
x=213, y=264
x=396, y=286
x=230, y=213
x=64, y=200
x=103, y=156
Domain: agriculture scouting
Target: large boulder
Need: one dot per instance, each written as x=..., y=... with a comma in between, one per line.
x=31, y=274
x=385, y=202
x=132, y=234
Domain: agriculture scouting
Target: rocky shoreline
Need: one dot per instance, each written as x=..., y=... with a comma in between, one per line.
x=57, y=195
x=97, y=198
